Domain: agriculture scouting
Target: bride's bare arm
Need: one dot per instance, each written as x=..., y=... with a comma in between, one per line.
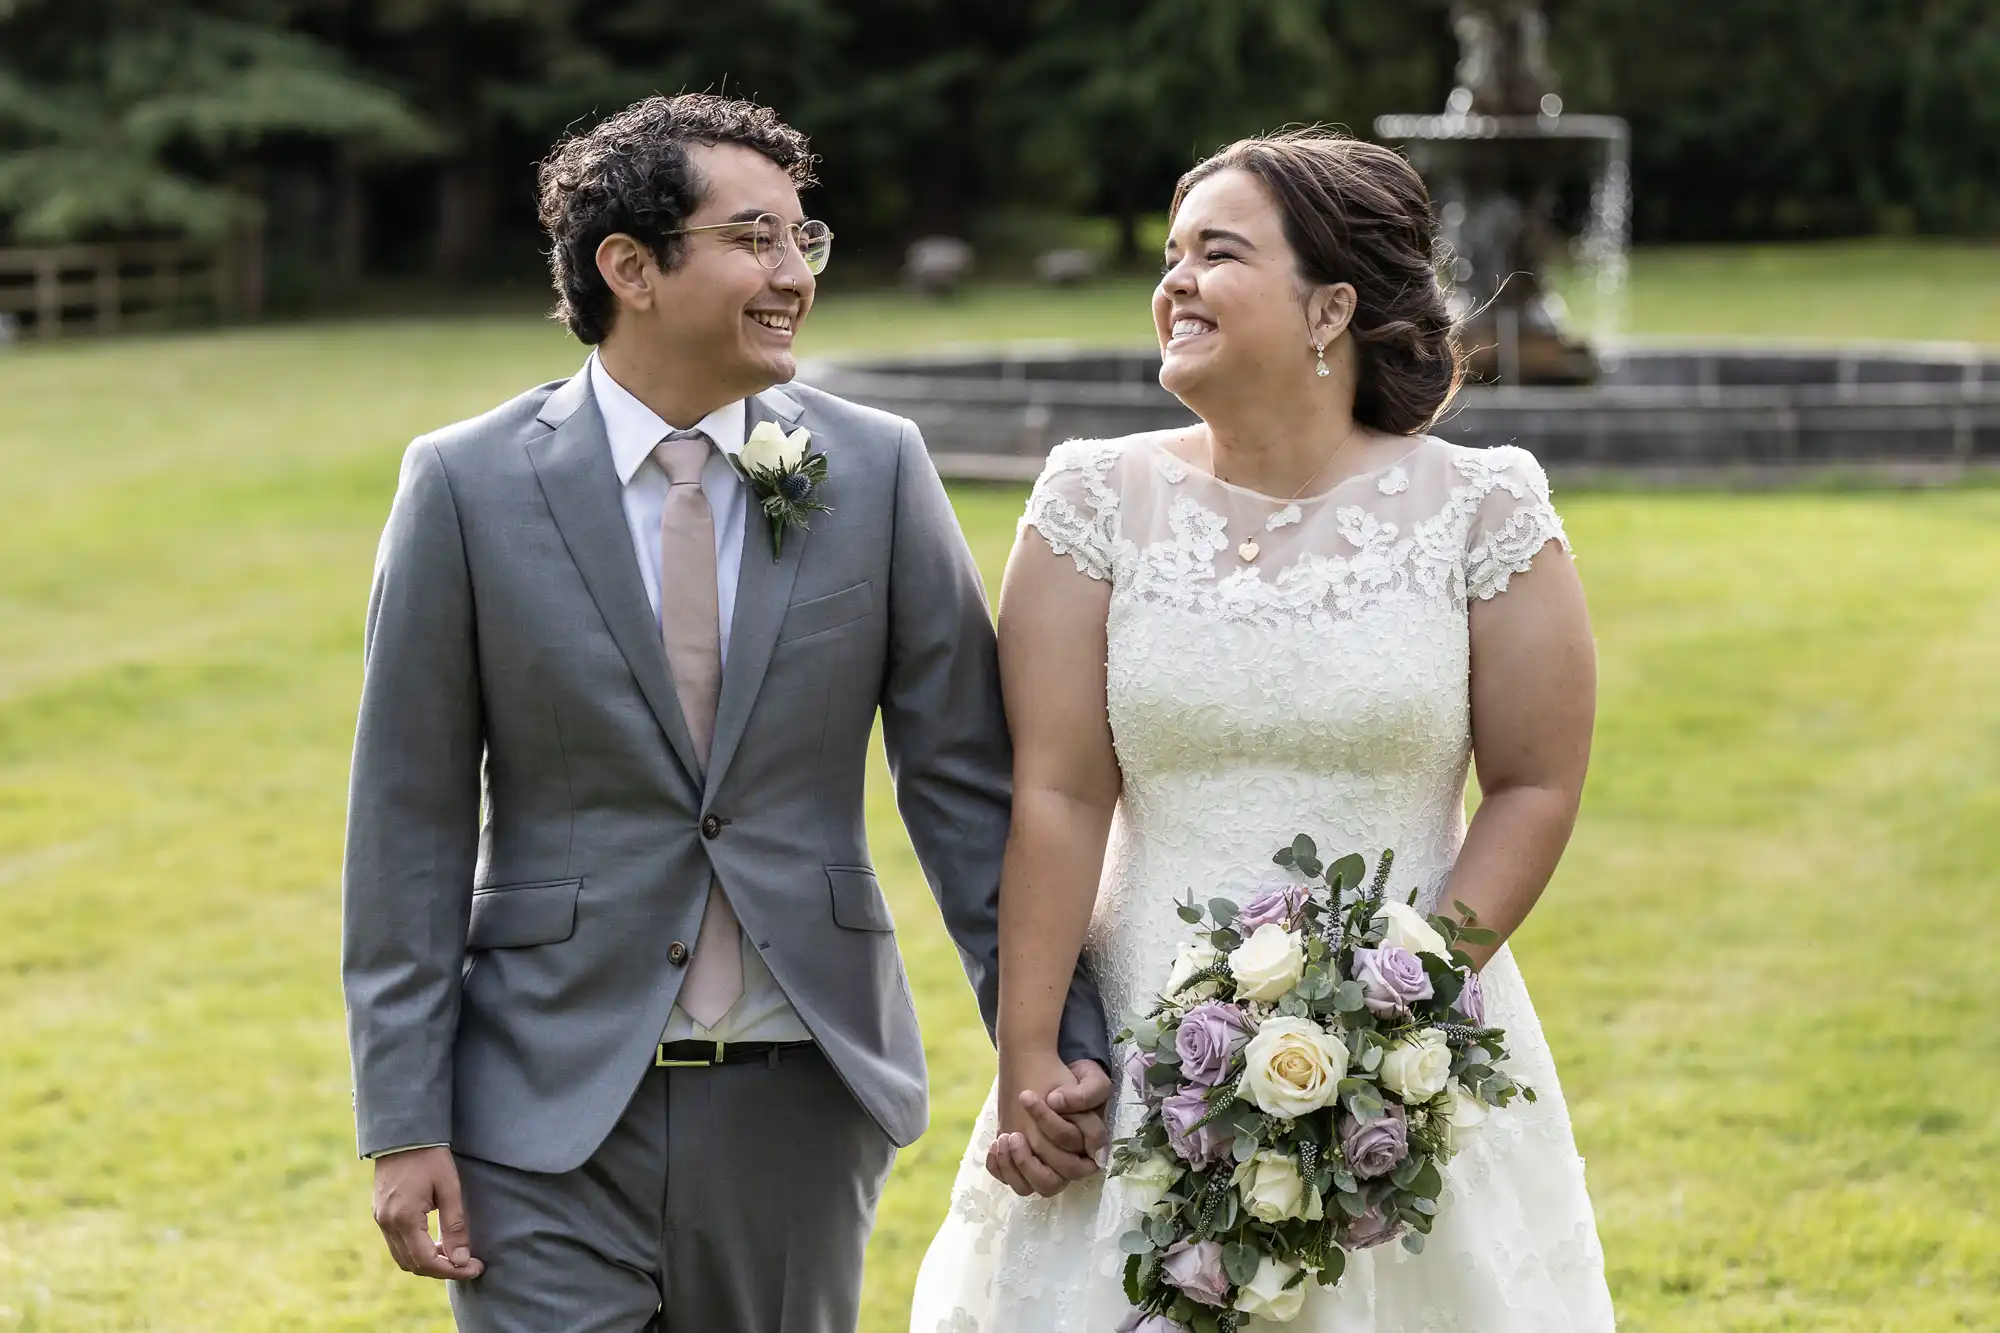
x=1534, y=697
x=1066, y=783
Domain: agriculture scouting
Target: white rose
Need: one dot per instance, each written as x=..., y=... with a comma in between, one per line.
x=1464, y=1114
x=1273, y=1190
x=1417, y=1068
x=1267, y=964
x=1292, y=1067
x=1267, y=1296
x=1408, y=929
x=1192, y=958
x=1147, y=1182
x=770, y=448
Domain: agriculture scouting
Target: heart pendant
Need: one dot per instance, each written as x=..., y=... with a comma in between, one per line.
x=1249, y=550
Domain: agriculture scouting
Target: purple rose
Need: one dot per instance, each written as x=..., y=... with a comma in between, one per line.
x=1373, y=1147
x=1197, y=1271
x=1471, y=1002
x=1147, y=1091
x=1199, y=1148
x=1392, y=979
x=1280, y=904
x=1151, y=1323
x=1210, y=1036
x=1370, y=1229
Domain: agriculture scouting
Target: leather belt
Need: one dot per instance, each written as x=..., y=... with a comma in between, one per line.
x=704, y=1054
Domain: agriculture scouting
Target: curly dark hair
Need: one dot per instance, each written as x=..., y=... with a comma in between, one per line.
x=1356, y=212
x=632, y=173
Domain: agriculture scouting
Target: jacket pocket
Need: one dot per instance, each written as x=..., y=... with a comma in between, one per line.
x=515, y=916
x=858, y=903
x=825, y=613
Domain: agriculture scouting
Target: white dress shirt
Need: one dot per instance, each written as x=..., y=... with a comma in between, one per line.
x=761, y=1013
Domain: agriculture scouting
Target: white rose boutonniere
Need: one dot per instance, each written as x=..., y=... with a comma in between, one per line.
x=785, y=475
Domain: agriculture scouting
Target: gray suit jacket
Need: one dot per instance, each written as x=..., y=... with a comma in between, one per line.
x=528, y=832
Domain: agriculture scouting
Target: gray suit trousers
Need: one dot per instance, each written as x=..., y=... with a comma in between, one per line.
x=736, y=1199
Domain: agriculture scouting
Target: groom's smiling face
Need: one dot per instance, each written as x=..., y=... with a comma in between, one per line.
x=719, y=314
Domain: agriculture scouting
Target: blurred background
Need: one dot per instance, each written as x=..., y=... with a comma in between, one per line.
x=248, y=250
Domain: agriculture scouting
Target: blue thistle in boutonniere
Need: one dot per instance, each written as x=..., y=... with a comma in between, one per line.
x=786, y=476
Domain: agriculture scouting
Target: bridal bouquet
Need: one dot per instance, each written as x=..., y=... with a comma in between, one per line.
x=1317, y=1056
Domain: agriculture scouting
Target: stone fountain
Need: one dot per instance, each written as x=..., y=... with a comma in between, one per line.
x=1501, y=163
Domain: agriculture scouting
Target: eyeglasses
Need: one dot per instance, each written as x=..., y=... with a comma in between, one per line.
x=772, y=235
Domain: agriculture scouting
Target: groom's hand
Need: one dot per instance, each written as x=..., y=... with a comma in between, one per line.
x=1062, y=1136
x=409, y=1187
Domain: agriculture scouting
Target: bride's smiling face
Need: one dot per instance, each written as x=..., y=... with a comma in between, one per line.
x=1229, y=307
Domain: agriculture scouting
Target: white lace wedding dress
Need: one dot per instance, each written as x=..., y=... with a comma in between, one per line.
x=1321, y=688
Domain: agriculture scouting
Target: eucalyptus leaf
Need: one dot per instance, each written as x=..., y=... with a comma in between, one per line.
x=1244, y=1148
x=1188, y=913
x=1135, y=1243
x=1221, y=911
x=1347, y=873
x=1348, y=997
x=1240, y=1262
x=1414, y=1242
x=1350, y=1203
x=1304, y=849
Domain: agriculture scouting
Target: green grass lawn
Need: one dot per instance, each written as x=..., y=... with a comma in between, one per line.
x=1765, y=964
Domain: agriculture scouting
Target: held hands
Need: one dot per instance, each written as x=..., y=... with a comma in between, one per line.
x=409, y=1186
x=1052, y=1124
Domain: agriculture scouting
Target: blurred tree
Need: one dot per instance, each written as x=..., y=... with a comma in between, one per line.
x=1768, y=118
x=123, y=117
x=1112, y=99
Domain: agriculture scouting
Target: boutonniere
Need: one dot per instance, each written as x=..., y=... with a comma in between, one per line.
x=786, y=476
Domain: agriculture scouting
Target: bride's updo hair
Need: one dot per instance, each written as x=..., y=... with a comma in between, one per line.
x=1356, y=212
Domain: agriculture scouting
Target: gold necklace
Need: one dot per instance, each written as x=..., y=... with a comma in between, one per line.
x=1250, y=550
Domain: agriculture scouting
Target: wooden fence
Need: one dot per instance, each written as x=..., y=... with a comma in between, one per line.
x=105, y=288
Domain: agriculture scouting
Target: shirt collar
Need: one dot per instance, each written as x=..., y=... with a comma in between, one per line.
x=634, y=428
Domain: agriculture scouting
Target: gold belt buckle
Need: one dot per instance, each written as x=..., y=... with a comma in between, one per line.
x=660, y=1060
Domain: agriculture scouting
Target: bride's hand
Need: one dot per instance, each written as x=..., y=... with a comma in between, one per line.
x=1052, y=1123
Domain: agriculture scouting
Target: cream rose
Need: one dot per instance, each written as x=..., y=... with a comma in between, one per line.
x=1267, y=964
x=1407, y=929
x=1192, y=958
x=1292, y=1067
x=1268, y=1297
x=1417, y=1068
x=771, y=449
x=1273, y=1191
x=1462, y=1115
x=1147, y=1182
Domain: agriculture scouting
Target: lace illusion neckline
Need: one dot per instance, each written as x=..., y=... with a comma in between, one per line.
x=1178, y=469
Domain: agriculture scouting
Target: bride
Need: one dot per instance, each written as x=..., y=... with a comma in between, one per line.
x=1304, y=614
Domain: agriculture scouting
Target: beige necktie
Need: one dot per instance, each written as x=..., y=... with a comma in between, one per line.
x=690, y=627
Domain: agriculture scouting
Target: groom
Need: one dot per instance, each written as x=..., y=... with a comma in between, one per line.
x=624, y=999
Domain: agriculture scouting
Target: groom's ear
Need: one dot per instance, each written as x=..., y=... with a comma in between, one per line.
x=629, y=269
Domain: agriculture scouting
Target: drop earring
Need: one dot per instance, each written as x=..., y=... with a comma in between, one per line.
x=1319, y=351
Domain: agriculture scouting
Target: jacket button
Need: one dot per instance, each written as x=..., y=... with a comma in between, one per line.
x=711, y=827
x=677, y=953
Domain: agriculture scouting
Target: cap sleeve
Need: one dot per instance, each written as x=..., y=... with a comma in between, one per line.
x=1074, y=506
x=1513, y=518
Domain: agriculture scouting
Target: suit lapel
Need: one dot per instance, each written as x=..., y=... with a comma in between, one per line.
x=573, y=464
x=763, y=592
